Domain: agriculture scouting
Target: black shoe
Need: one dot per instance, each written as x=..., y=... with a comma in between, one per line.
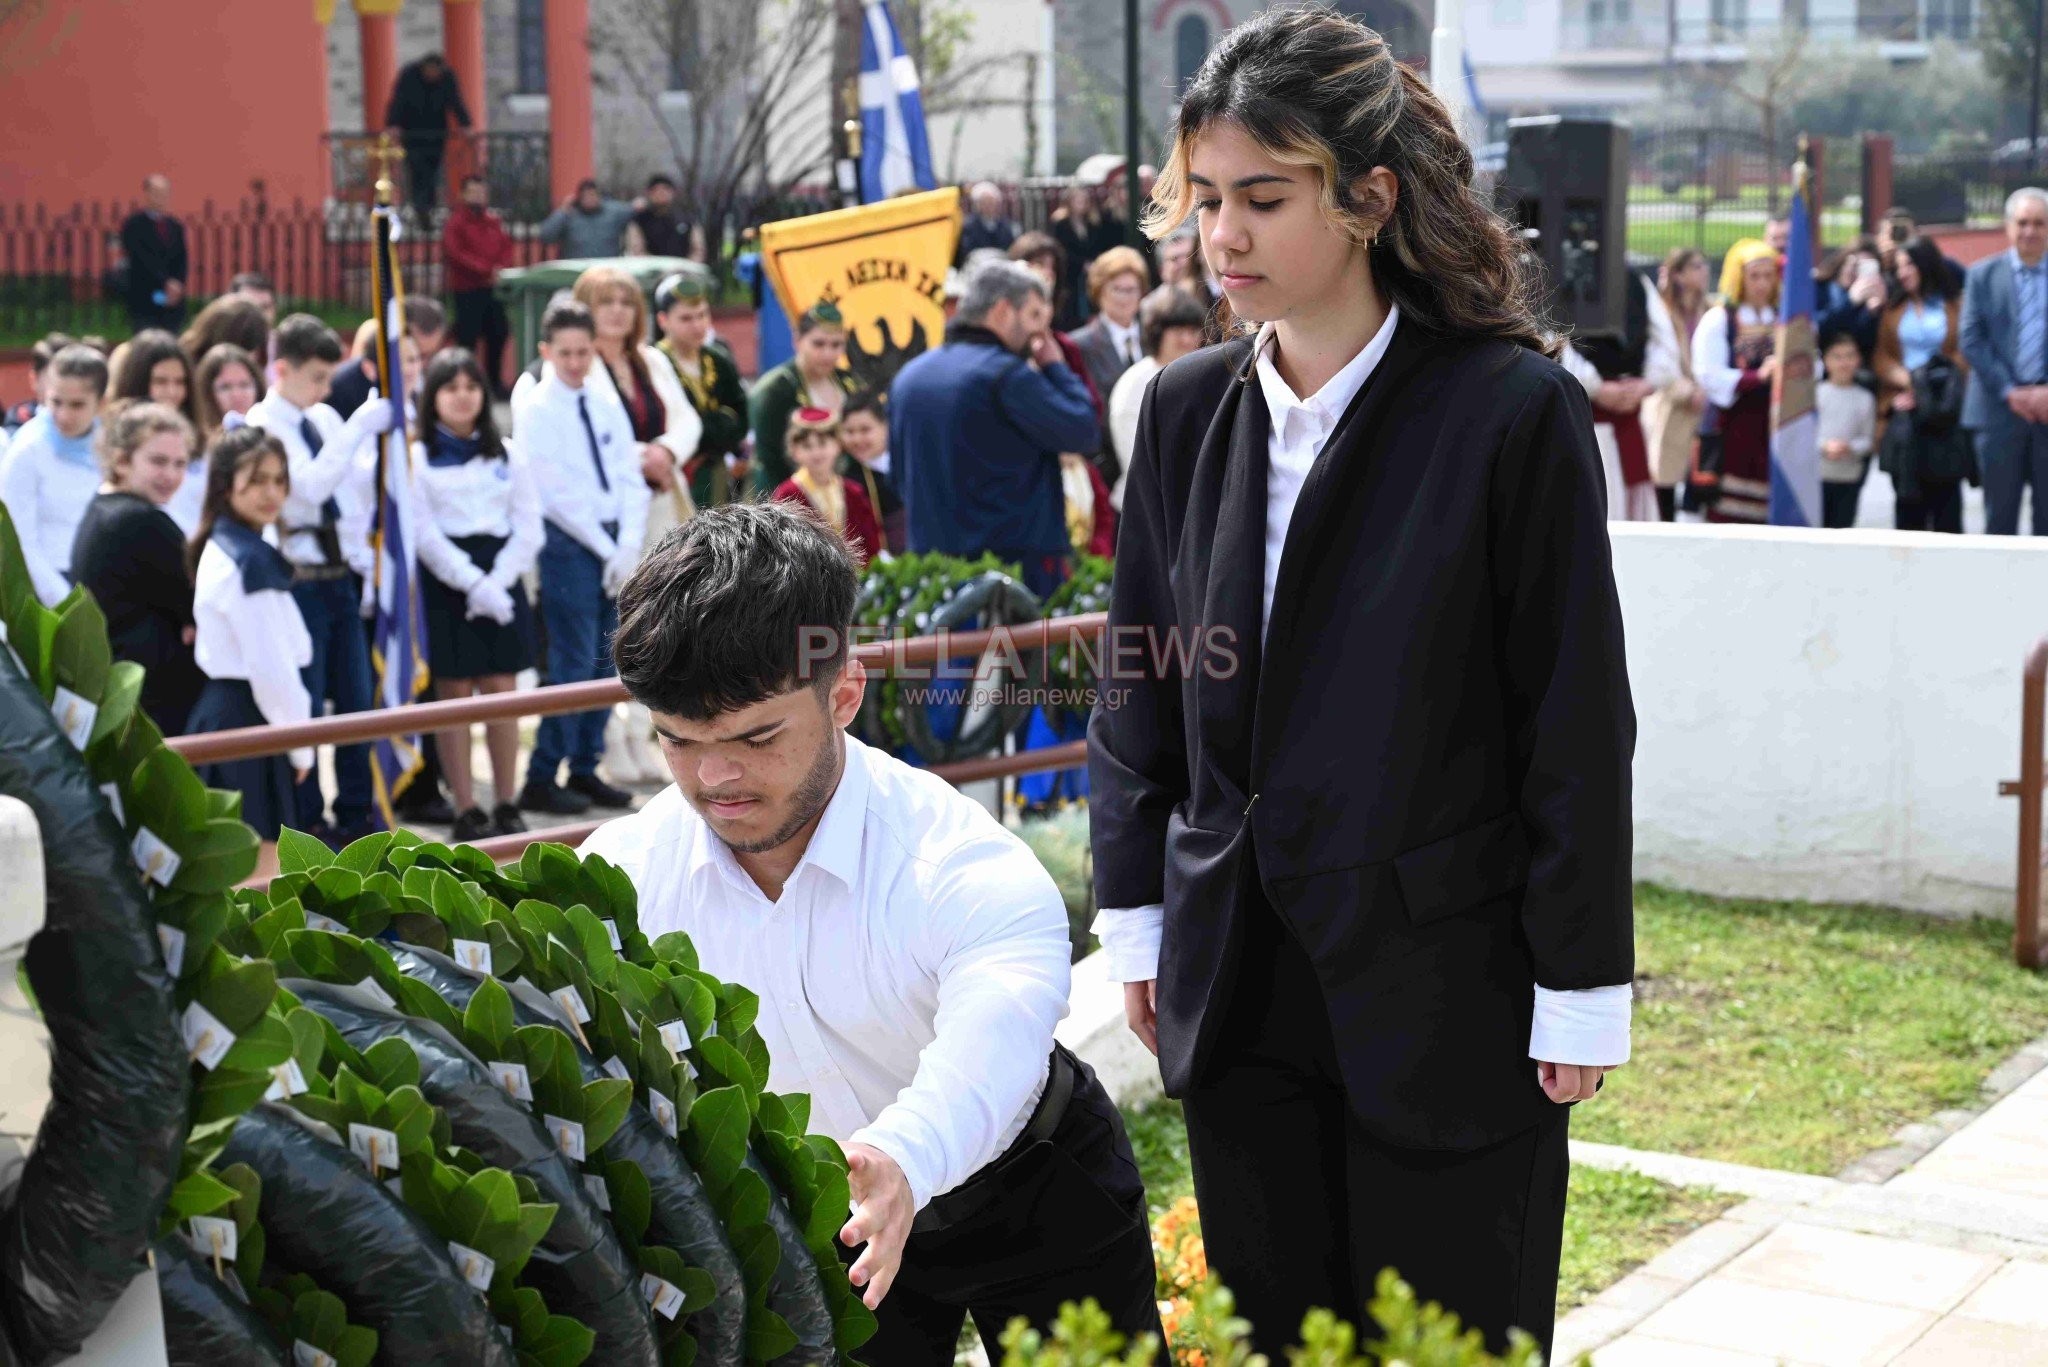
x=546, y=797
x=505, y=820
x=472, y=825
x=324, y=832
x=428, y=808
x=367, y=824
x=600, y=793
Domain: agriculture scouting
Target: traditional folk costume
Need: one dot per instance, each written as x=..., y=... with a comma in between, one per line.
x=1728, y=352
x=841, y=502
x=710, y=385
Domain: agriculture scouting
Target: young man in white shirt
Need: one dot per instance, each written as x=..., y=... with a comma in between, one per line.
x=911, y=955
x=324, y=534
x=580, y=443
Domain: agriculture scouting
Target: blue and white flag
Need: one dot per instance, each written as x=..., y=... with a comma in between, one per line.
x=398, y=657
x=1795, y=426
x=894, y=152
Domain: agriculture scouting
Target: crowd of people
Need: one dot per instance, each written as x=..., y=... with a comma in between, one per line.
x=1929, y=373
x=214, y=487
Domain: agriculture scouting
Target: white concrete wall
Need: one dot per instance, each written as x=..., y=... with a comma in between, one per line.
x=1827, y=715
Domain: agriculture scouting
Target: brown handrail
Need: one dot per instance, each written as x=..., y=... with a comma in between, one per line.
x=2026, y=912
x=505, y=848
x=422, y=718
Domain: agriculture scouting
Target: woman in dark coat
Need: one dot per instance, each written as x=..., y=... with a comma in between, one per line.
x=131, y=556
x=1363, y=841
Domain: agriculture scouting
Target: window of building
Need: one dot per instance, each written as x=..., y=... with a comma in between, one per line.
x=1950, y=19
x=1729, y=17
x=1510, y=13
x=533, y=47
x=1190, y=46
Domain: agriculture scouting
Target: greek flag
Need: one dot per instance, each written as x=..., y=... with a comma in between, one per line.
x=894, y=153
x=1795, y=426
x=398, y=658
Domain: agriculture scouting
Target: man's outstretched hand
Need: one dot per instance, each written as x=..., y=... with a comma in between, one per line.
x=882, y=1217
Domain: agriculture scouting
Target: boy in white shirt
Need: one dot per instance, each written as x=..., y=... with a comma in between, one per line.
x=322, y=533
x=579, y=441
x=1846, y=414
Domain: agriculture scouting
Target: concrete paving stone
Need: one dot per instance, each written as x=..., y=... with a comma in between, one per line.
x=2015, y=1295
x=1704, y=1250
x=1991, y=1164
x=1775, y=1321
x=1640, y=1293
x=1956, y=1342
x=1641, y=1350
x=1916, y=1198
x=1586, y=1328
x=1863, y=1267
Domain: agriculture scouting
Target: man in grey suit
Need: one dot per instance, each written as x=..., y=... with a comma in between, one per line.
x=2005, y=340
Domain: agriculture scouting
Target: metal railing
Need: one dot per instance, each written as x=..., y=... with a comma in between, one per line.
x=421, y=719
x=515, y=164
x=2026, y=912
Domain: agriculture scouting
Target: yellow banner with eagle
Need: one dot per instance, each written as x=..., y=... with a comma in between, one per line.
x=883, y=266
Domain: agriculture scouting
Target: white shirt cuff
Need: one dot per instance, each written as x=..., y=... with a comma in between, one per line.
x=1587, y=1027
x=1130, y=936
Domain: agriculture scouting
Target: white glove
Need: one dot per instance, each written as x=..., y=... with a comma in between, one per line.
x=617, y=571
x=374, y=417
x=488, y=599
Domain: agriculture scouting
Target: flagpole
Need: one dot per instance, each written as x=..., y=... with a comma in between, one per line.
x=1132, y=208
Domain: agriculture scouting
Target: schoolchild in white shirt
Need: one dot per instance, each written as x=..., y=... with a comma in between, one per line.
x=323, y=534
x=577, y=438
x=52, y=469
x=248, y=636
x=479, y=532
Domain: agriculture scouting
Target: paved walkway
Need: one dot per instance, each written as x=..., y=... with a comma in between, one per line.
x=1931, y=1254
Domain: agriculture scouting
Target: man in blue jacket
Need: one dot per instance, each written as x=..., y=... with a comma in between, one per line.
x=978, y=427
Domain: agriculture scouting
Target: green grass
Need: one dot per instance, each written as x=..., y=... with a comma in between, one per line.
x=1790, y=1035
x=1614, y=1221
x=1676, y=227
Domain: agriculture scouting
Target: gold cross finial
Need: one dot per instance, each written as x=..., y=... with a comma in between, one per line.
x=383, y=153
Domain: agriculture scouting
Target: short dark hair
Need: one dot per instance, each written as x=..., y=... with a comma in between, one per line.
x=81, y=362
x=565, y=316
x=1033, y=245
x=872, y=401
x=1898, y=218
x=587, y=183
x=1833, y=335
x=660, y=179
x=302, y=338
x=423, y=313
x=251, y=280
x=1168, y=308
x=737, y=605
x=46, y=348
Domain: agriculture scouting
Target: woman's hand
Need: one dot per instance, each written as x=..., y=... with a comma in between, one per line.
x=1565, y=1083
x=1141, y=1012
x=1902, y=402
x=656, y=467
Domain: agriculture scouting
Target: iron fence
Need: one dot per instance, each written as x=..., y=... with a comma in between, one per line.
x=514, y=164
x=1967, y=187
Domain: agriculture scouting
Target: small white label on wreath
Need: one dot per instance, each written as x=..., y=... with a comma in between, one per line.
x=568, y=1136
x=616, y=1067
x=474, y=955
x=173, y=941
x=371, y=986
x=665, y=1296
x=158, y=861
x=664, y=1112
x=305, y=1354
x=571, y=1002
x=75, y=716
x=676, y=1035
x=206, y=1039
x=316, y=921
x=513, y=1078
x=212, y=1237
x=286, y=1080
x=599, y=1191
x=378, y=1148
x=611, y=932
x=112, y=793
x=476, y=1269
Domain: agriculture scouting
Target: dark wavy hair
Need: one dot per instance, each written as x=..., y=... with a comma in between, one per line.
x=234, y=452
x=1318, y=90
x=146, y=350
x=1936, y=281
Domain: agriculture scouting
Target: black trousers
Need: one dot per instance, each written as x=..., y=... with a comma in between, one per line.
x=482, y=327
x=1938, y=509
x=1301, y=1208
x=1063, y=1220
x=1838, y=503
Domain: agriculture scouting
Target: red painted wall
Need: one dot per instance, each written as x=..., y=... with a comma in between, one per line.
x=99, y=93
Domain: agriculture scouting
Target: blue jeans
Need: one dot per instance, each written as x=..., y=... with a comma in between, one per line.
x=2013, y=454
x=580, y=620
x=339, y=673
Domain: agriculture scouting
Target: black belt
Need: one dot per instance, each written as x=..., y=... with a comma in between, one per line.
x=973, y=1195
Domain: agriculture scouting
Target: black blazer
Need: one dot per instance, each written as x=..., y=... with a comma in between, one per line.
x=1424, y=770
x=156, y=256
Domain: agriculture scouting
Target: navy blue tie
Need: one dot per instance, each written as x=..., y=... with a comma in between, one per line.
x=328, y=531
x=590, y=434
x=2033, y=325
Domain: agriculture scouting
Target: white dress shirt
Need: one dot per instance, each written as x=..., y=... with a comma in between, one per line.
x=910, y=975
x=338, y=472
x=483, y=496
x=551, y=434
x=255, y=636
x=185, y=504
x=1125, y=340
x=1588, y=1026
x=46, y=481
x=1126, y=404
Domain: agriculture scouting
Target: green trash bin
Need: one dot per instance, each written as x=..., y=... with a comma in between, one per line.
x=525, y=291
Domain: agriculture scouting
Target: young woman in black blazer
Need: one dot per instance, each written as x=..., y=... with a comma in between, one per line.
x=1365, y=838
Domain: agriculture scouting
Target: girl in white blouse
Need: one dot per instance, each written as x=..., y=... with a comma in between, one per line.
x=249, y=639
x=480, y=532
